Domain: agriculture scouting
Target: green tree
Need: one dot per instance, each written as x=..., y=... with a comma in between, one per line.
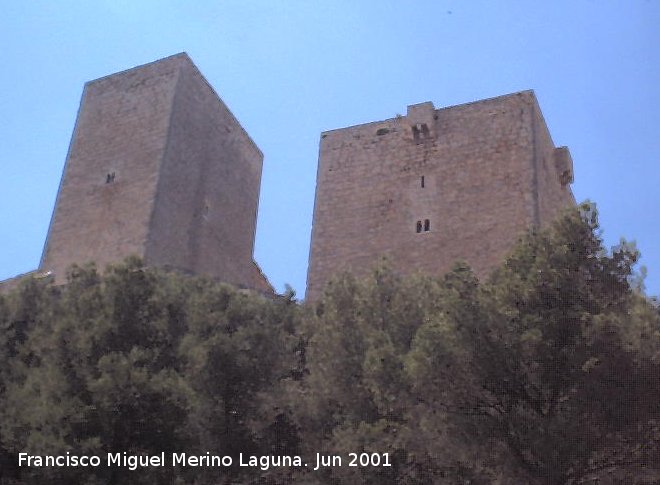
x=557, y=359
x=357, y=395
x=142, y=362
x=548, y=372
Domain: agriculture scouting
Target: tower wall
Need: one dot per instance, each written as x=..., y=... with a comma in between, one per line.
x=204, y=219
x=554, y=168
x=432, y=187
x=158, y=167
x=107, y=191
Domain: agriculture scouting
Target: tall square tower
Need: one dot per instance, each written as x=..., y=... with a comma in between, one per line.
x=158, y=167
x=435, y=186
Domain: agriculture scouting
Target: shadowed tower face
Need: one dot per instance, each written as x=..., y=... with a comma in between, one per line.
x=435, y=186
x=158, y=167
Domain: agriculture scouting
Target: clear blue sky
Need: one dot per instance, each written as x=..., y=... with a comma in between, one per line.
x=289, y=70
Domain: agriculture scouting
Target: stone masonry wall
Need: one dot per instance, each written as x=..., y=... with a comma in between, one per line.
x=206, y=204
x=432, y=187
x=555, y=171
x=160, y=168
x=107, y=191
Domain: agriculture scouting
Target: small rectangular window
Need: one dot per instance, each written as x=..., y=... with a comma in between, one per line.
x=419, y=226
x=427, y=225
x=110, y=177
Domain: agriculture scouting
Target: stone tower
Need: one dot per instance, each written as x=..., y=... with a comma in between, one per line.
x=435, y=186
x=158, y=167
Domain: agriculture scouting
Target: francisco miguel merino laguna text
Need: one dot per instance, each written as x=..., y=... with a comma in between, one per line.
x=133, y=462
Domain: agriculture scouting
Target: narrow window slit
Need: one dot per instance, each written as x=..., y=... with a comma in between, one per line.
x=422, y=181
x=427, y=225
x=419, y=226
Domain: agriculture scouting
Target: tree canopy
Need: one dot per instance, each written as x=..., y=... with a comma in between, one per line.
x=547, y=372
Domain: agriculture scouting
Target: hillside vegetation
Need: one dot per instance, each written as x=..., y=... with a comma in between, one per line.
x=547, y=373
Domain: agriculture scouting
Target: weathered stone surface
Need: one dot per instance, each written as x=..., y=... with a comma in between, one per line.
x=435, y=186
x=160, y=168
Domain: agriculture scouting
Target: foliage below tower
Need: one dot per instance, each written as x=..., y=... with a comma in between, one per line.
x=546, y=374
